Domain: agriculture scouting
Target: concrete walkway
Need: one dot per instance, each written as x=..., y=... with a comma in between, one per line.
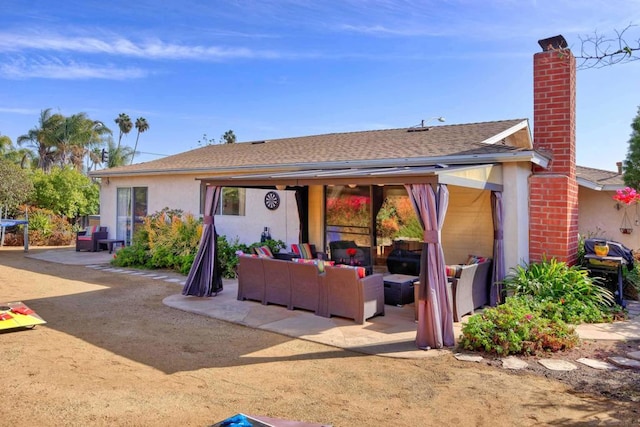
x=391, y=335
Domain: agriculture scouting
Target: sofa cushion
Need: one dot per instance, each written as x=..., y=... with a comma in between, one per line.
x=317, y=262
x=362, y=272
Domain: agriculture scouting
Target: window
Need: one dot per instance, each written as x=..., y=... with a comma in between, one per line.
x=232, y=201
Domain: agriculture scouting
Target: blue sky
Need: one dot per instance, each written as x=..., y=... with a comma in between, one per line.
x=270, y=69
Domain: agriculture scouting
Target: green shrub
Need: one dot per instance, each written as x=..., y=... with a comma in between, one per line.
x=169, y=239
x=227, y=255
x=519, y=326
x=45, y=229
x=575, y=297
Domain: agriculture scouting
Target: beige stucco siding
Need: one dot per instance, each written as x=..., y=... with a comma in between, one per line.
x=183, y=192
x=599, y=217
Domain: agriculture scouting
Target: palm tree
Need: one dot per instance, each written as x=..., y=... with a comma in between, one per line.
x=118, y=156
x=141, y=126
x=124, y=123
x=43, y=138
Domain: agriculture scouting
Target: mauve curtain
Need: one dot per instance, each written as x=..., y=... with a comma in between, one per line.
x=497, y=276
x=204, y=278
x=435, y=316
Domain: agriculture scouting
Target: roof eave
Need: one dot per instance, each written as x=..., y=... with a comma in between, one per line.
x=515, y=156
x=598, y=187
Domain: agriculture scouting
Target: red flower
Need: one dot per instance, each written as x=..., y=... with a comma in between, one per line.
x=627, y=196
x=351, y=252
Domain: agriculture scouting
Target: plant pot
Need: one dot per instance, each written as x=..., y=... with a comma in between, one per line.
x=626, y=230
x=601, y=248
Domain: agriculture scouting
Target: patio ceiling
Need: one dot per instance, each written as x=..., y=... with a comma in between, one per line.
x=483, y=176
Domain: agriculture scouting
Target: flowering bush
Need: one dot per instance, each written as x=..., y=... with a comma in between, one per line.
x=519, y=326
x=627, y=196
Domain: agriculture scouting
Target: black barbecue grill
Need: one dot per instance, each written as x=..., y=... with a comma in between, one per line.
x=611, y=264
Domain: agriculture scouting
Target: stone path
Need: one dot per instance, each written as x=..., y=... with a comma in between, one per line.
x=630, y=360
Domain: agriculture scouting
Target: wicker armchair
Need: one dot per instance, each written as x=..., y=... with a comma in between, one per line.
x=353, y=297
x=87, y=239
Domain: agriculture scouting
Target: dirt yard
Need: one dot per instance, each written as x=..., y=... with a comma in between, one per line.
x=113, y=354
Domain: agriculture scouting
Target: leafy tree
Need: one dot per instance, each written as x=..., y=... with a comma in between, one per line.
x=124, y=124
x=66, y=191
x=15, y=185
x=141, y=126
x=5, y=144
x=632, y=162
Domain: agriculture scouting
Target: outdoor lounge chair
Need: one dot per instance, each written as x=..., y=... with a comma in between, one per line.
x=87, y=239
x=470, y=289
x=339, y=254
x=353, y=297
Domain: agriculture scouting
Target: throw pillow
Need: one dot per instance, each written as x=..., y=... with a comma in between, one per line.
x=303, y=250
x=264, y=252
x=453, y=270
x=475, y=259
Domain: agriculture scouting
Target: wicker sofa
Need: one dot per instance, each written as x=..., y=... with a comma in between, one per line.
x=337, y=292
x=87, y=239
x=287, y=283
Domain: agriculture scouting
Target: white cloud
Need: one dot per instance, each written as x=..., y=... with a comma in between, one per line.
x=70, y=70
x=121, y=46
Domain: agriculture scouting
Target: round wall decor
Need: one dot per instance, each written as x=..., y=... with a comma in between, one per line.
x=272, y=200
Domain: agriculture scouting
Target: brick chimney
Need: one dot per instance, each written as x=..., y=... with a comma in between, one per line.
x=553, y=192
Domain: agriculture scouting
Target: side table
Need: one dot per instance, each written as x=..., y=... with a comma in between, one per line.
x=398, y=289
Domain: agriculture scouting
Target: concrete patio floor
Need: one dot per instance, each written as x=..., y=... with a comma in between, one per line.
x=391, y=335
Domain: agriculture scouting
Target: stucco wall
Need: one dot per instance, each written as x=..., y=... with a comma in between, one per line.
x=599, y=218
x=183, y=192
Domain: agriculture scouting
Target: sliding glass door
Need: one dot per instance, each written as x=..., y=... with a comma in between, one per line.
x=131, y=211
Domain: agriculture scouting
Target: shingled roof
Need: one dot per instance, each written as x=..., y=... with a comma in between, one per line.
x=599, y=179
x=458, y=143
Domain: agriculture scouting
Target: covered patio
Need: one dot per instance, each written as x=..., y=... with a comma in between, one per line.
x=476, y=225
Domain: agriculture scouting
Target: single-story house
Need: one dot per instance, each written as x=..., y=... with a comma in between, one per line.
x=297, y=186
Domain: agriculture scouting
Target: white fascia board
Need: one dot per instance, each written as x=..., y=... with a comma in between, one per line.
x=508, y=132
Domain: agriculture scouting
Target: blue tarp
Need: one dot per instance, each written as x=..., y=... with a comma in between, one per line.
x=5, y=222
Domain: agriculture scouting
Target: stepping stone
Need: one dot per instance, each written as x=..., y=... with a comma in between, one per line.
x=557, y=365
x=174, y=280
x=468, y=357
x=597, y=364
x=625, y=362
x=514, y=363
x=634, y=355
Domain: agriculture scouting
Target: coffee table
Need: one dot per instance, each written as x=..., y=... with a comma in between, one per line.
x=109, y=243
